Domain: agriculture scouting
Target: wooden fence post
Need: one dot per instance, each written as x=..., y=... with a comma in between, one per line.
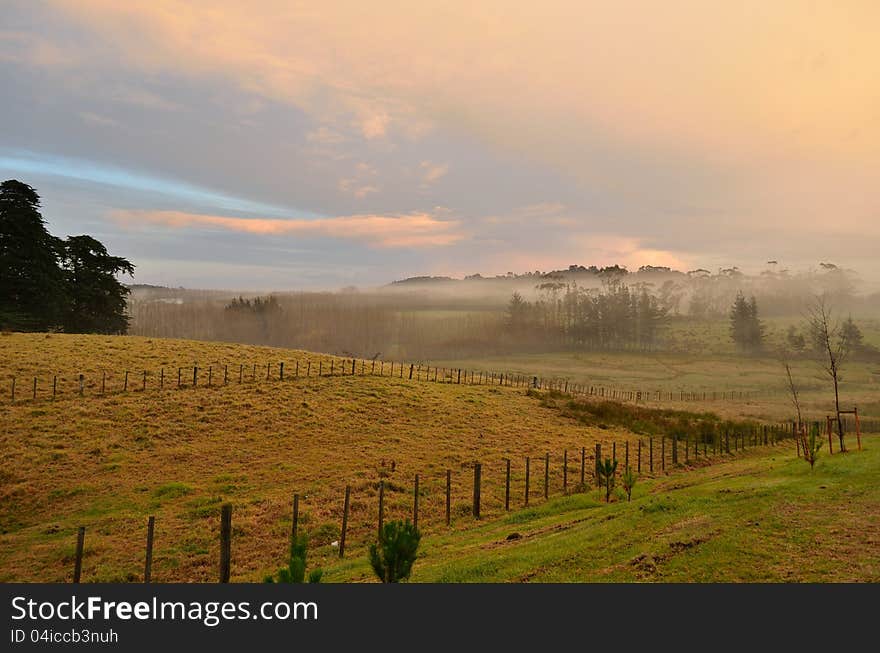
x=281, y=371
x=195, y=375
x=858, y=426
x=295, y=525
x=448, y=496
x=82, y=380
x=626, y=454
x=527, y=480
x=651, y=454
x=663, y=453
x=416, y=503
x=13, y=389
x=830, y=441
x=80, y=543
x=565, y=471
x=507, y=487
x=477, y=479
x=639, y=456
x=583, y=466
x=54, y=385
x=148, y=562
x=344, y=521
x=546, y=475
x=596, y=467
x=225, y=541
x=381, y=508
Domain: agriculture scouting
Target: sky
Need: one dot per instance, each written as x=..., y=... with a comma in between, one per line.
x=286, y=145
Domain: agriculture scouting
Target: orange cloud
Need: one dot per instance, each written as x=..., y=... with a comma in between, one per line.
x=413, y=230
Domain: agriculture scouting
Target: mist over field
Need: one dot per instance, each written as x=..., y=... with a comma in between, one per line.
x=575, y=309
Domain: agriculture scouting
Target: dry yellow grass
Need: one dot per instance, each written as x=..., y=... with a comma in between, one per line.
x=107, y=462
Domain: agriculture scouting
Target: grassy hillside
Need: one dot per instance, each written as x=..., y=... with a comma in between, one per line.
x=107, y=462
x=763, y=517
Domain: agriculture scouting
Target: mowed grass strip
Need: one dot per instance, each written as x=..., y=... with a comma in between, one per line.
x=762, y=517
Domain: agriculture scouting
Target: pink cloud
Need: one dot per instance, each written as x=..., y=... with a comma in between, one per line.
x=411, y=230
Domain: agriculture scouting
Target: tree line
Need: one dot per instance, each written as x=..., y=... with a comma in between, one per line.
x=49, y=283
x=613, y=317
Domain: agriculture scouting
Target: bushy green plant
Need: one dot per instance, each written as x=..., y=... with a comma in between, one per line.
x=295, y=572
x=810, y=444
x=393, y=556
x=606, y=472
x=629, y=481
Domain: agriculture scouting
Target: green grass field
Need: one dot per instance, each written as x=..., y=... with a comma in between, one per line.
x=764, y=517
x=722, y=373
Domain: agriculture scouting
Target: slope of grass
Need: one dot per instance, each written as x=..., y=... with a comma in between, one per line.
x=763, y=517
x=107, y=462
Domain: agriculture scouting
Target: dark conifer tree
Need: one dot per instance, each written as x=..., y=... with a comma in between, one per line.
x=32, y=293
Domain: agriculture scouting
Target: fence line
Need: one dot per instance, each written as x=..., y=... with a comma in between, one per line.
x=359, y=367
x=698, y=451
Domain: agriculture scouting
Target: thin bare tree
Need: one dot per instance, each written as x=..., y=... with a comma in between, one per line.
x=825, y=333
x=793, y=390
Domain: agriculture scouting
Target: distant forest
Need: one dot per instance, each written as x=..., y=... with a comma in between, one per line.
x=581, y=308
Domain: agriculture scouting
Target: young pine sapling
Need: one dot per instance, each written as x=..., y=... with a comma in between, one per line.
x=393, y=556
x=629, y=481
x=606, y=472
x=295, y=572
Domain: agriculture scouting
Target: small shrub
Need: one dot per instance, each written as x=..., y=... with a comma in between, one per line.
x=393, y=557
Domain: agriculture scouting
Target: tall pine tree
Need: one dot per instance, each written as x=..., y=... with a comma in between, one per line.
x=32, y=292
x=96, y=300
x=746, y=329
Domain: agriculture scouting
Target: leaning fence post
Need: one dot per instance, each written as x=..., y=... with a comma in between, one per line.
x=225, y=541
x=77, y=565
x=344, y=521
x=148, y=562
x=477, y=478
